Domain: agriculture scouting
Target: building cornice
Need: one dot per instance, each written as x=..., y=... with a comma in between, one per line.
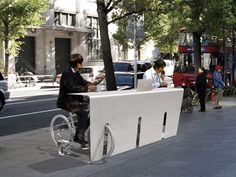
x=65, y=28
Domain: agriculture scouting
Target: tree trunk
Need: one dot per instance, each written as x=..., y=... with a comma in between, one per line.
x=6, y=44
x=197, y=50
x=106, y=47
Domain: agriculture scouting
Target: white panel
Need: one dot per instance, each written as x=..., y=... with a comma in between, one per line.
x=121, y=109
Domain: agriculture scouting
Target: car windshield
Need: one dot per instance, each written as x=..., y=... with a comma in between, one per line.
x=122, y=79
x=122, y=67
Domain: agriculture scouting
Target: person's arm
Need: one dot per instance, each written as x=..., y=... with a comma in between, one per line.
x=219, y=80
x=156, y=85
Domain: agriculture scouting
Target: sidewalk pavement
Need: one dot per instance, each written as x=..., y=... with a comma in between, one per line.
x=205, y=146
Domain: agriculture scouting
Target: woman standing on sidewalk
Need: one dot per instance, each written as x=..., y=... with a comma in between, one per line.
x=201, y=88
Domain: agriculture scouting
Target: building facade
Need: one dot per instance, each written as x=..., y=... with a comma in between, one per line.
x=70, y=27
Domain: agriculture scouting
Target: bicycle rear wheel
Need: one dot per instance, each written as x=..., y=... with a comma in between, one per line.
x=208, y=95
x=61, y=130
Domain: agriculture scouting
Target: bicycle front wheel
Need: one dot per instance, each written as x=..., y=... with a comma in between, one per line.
x=195, y=100
x=60, y=129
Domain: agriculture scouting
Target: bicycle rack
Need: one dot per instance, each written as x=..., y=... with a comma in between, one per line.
x=111, y=150
x=62, y=144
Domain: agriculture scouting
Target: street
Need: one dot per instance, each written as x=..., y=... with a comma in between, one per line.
x=28, y=109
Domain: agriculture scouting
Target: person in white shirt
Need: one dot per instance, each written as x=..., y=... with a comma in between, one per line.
x=155, y=72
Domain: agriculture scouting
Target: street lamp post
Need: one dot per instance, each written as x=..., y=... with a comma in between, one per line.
x=135, y=30
x=135, y=53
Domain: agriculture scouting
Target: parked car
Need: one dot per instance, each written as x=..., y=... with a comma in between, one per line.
x=188, y=78
x=89, y=73
x=123, y=66
x=128, y=65
x=142, y=65
x=4, y=93
x=58, y=78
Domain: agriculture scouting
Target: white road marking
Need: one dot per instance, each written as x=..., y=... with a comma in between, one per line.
x=31, y=113
x=25, y=102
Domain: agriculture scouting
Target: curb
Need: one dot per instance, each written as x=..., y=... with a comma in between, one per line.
x=45, y=87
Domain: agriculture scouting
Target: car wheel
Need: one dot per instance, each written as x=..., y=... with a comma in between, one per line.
x=2, y=102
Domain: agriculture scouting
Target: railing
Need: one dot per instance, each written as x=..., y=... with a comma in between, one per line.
x=16, y=81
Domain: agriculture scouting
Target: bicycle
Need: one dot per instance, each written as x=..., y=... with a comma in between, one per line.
x=195, y=98
x=63, y=129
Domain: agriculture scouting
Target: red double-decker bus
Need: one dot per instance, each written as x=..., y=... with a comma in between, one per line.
x=215, y=51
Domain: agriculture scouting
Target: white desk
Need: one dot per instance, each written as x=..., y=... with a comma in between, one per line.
x=122, y=109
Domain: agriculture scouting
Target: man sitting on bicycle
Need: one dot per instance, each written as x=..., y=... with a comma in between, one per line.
x=72, y=82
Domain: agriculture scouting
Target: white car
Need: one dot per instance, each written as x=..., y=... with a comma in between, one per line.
x=4, y=93
x=169, y=69
x=89, y=73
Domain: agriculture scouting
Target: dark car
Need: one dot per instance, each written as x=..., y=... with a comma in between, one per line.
x=123, y=66
x=188, y=78
x=142, y=65
x=128, y=65
x=124, y=80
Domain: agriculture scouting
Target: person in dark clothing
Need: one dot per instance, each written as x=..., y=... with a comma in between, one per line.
x=201, y=88
x=1, y=77
x=72, y=82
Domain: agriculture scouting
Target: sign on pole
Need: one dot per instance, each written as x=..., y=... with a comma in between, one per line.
x=135, y=23
x=134, y=31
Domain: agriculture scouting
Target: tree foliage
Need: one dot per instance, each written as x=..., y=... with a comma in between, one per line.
x=162, y=26
x=16, y=18
x=110, y=11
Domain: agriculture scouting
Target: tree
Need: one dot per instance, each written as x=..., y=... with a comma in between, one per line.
x=16, y=18
x=104, y=7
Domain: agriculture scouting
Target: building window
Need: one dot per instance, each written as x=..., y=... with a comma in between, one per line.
x=94, y=39
x=64, y=19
